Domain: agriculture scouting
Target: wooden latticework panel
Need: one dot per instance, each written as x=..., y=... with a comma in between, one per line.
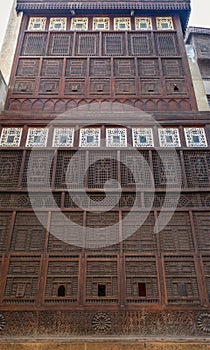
x=103, y=168
x=10, y=162
x=51, y=67
x=5, y=221
x=108, y=222
x=70, y=170
x=49, y=86
x=76, y=67
x=197, y=167
x=124, y=67
x=104, y=273
x=206, y=265
x=167, y=169
x=186, y=200
x=176, y=86
x=166, y=44
x=203, y=45
x=22, y=280
x=148, y=67
x=28, y=67
x=62, y=281
x=113, y=44
x=100, y=67
x=28, y=234
x=60, y=44
x=143, y=239
x=74, y=87
x=87, y=44
x=24, y=86
x=181, y=281
x=37, y=169
x=34, y=44
x=177, y=235
x=150, y=86
x=125, y=86
x=172, y=67
x=141, y=271
x=22, y=200
x=130, y=199
x=56, y=245
x=100, y=87
x=140, y=44
x=202, y=230
x=133, y=170
x=66, y=232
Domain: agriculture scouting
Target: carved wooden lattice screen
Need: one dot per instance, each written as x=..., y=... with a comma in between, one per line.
x=102, y=273
x=22, y=280
x=141, y=271
x=34, y=44
x=62, y=281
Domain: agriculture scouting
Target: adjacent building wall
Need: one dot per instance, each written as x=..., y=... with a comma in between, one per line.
x=198, y=83
x=9, y=43
x=3, y=92
x=198, y=51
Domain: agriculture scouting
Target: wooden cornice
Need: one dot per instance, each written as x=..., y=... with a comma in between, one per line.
x=60, y=6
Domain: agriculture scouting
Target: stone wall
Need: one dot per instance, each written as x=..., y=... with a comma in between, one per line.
x=9, y=43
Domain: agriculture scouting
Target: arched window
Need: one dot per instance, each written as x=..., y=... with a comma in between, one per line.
x=61, y=291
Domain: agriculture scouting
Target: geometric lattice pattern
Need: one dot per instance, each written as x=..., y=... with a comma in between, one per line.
x=143, y=23
x=63, y=137
x=195, y=137
x=10, y=137
x=57, y=24
x=169, y=137
x=79, y=23
x=116, y=137
x=101, y=23
x=142, y=137
x=164, y=23
x=122, y=23
x=37, y=23
x=90, y=137
x=37, y=137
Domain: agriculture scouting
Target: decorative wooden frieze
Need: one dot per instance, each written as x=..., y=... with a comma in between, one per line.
x=74, y=323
